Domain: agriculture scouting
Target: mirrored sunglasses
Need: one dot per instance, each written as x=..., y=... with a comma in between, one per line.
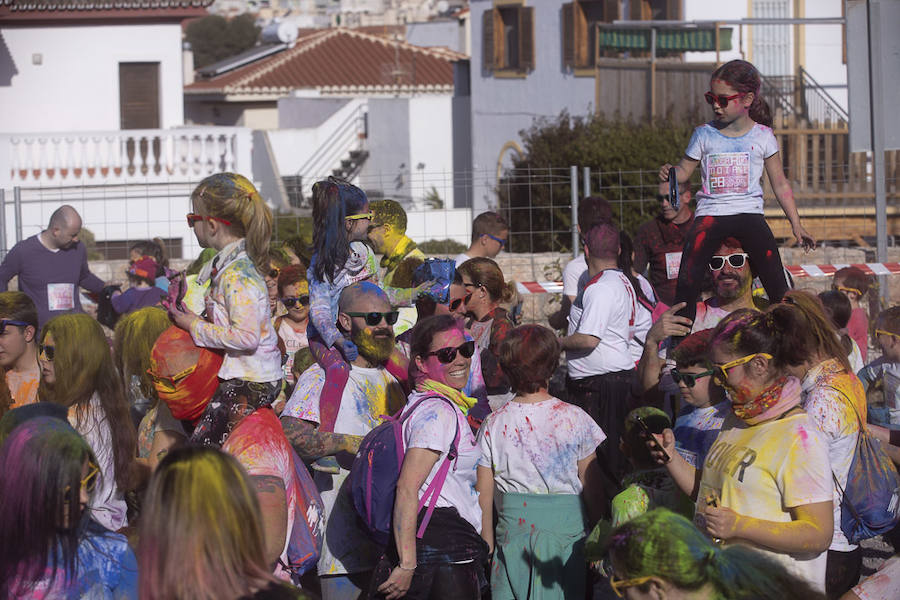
x=374, y=318
x=448, y=355
x=46, y=352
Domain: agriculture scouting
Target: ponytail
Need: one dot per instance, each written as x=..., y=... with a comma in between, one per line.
x=760, y=111
x=626, y=263
x=333, y=200
x=232, y=197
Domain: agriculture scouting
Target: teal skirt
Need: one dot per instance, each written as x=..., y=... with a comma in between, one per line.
x=539, y=549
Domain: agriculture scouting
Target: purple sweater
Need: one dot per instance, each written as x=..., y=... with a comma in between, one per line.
x=40, y=270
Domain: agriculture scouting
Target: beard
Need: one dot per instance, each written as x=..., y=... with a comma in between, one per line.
x=732, y=293
x=375, y=345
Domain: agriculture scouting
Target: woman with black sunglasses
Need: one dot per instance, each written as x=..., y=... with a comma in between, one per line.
x=446, y=561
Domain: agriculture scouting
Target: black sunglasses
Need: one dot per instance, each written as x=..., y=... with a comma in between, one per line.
x=290, y=302
x=374, y=318
x=448, y=355
x=6, y=322
x=454, y=304
x=48, y=351
x=689, y=379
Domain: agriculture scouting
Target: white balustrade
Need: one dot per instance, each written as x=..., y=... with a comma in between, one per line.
x=116, y=157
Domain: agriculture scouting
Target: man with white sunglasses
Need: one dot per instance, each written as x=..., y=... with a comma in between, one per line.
x=732, y=286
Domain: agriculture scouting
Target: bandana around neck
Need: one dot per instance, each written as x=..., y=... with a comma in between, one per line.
x=456, y=396
x=772, y=402
x=223, y=258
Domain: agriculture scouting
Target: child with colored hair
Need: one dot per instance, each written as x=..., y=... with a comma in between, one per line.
x=231, y=217
x=733, y=150
x=155, y=249
x=885, y=371
x=341, y=219
x=853, y=283
x=142, y=291
x=838, y=310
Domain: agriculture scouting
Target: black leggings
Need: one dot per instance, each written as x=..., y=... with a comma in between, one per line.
x=705, y=238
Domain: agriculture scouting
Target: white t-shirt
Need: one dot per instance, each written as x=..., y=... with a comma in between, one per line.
x=107, y=503
x=837, y=421
x=643, y=320
x=535, y=448
x=369, y=393
x=293, y=340
x=882, y=584
x=461, y=258
x=431, y=426
x=606, y=309
x=731, y=169
x=572, y=274
x=855, y=357
x=765, y=470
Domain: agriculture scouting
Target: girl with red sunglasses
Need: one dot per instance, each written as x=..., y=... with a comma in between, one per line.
x=732, y=151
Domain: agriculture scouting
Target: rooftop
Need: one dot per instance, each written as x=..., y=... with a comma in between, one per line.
x=340, y=60
x=12, y=11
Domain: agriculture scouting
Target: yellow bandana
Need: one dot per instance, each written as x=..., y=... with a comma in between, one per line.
x=457, y=397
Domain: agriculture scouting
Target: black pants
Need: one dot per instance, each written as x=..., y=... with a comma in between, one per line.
x=842, y=572
x=705, y=238
x=444, y=581
x=606, y=398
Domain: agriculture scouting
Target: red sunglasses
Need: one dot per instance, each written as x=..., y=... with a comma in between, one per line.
x=194, y=217
x=720, y=99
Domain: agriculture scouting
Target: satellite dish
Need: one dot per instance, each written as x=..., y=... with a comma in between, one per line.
x=443, y=6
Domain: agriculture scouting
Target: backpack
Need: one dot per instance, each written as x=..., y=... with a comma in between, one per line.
x=376, y=469
x=870, y=503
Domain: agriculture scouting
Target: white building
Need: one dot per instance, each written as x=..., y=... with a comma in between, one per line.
x=93, y=114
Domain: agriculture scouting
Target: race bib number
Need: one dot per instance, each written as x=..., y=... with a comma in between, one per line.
x=728, y=173
x=61, y=296
x=673, y=263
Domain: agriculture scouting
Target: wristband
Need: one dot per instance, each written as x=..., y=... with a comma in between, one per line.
x=410, y=569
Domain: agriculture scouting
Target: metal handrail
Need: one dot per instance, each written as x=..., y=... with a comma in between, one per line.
x=353, y=124
x=821, y=96
x=781, y=100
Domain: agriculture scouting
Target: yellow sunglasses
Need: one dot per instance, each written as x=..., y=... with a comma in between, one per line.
x=89, y=482
x=620, y=584
x=720, y=372
x=883, y=332
x=367, y=215
x=167, y=383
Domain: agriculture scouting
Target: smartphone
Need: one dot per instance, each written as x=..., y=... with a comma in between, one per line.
x=673, y=188
x=652, y=440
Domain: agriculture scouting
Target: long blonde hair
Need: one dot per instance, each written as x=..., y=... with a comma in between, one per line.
x=232, y=197
x=201, y=533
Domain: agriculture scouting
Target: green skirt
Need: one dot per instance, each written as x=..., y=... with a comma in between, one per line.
x=539, y=550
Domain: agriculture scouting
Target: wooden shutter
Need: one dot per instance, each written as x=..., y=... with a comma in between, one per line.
x=610, y=10
x=487, y=40
x=636, y=10
x=582, y=54
x=673, y=10
x=499, y=41
x=139, y=95
x=568, y=34
x=526, y=38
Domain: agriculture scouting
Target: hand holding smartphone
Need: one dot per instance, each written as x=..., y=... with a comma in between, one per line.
x=651, y=440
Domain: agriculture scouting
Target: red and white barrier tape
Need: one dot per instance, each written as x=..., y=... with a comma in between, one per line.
x=555, y=287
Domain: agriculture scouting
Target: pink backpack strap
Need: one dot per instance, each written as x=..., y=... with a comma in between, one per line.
x=433, y=491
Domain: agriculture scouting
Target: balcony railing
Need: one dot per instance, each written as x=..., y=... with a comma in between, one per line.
x=121, y=157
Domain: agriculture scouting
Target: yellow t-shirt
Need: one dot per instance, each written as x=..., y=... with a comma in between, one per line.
x=765, y=470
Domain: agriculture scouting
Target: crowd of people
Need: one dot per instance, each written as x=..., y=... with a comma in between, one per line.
x=280, y=422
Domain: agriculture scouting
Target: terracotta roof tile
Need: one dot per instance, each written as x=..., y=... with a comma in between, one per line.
x=101, y=5
x=341, y=60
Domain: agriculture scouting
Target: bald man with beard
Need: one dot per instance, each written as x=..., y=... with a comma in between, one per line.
x=348, y=556
x=51, y=266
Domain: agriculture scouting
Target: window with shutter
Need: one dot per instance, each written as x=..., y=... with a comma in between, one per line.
x=568, y=34
x=579, y=29
x=526, y=38
x=139, y=95
x=487, y=40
